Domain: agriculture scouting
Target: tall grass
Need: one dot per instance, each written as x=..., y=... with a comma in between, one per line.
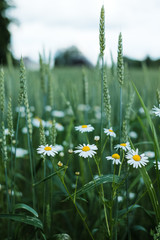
x=68, y=196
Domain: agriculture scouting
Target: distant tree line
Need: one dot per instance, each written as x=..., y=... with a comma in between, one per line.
x=71, y=57
x=133, y=63
x=5, y=35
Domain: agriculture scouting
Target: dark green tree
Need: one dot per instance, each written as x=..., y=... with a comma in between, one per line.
x=5, y=35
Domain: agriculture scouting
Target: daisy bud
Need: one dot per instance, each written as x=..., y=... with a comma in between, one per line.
x=70, y=150
x=61, y=154
x=60, y=164
x=77, y=173
x=97, y=138
x=13, y=141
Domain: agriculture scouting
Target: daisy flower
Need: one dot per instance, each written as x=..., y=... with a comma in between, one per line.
x=48, y=108
x=158, y=165
x=49, y=150
x=20, y=152
x=36, y=122
x=59, y=127
x=24, y=130
x=133, y=135
x=48, y=124
x=84, y=128
x=58, y=114
x=115, y=158
x=86, y=150
x=83, y=107
x=124, y=146
x=156, y=110
x=135, y=159
x=109, y=132
x=59, y=148
x=150, y=154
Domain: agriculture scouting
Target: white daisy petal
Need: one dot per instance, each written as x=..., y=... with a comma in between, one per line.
x=115, y=158
x=47, y=150
x=135, y=159
x=109, y=132
x=156, y=110
x=86, y=150
x=156, y=165
x=84, y=128
x=123, y=146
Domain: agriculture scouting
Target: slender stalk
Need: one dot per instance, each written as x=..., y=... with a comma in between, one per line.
x=15, y=164
x=112, y=202
x=102, y=73
x=104, y=206
x=72, y=199
x=104, y=145
x=12, y=167
x=6, y=180
x=31, y=160
x=44, y=192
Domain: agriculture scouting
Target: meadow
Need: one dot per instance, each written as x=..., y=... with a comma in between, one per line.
x=69, y=164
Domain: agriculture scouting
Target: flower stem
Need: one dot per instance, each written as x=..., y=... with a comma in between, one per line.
x=104, y=206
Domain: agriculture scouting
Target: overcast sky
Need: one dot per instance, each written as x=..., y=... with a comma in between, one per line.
x=56, y=24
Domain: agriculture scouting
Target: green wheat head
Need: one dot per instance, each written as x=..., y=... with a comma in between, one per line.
x=42, y=135
x=107, y=101
x=102, y=32
x=120, y=64
x=22, y=93
x=10, y=118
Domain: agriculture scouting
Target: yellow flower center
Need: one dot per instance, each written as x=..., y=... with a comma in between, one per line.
x=84, y=126
x=47, y=148
x=123, y=144
x=136, y=158
x=85, y=148
x=110, y=130
x=116, y=156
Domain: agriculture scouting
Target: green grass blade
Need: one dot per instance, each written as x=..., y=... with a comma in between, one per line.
x=49, y=176
x=35, y=222
x=94, y=183
x=149, y=120
x=26, y=207
x=151, y=192
x=139, y=228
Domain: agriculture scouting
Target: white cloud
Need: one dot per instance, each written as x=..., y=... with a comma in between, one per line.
x=58, y=24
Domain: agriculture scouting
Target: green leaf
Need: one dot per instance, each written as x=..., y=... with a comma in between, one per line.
x=26, y=207
x=49, y=176
x=133, y=207
x=24, y=219
x=139, y=228
x=151, y=192
x=43, y=235
x=125, y=210
x=94, y=183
